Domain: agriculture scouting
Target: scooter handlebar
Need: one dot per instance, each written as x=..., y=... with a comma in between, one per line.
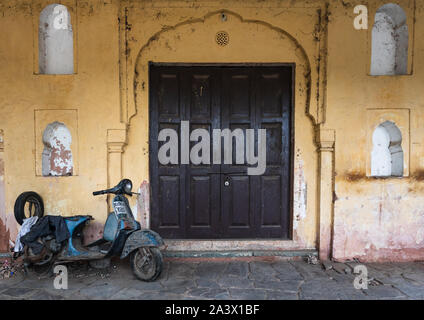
x=120, y=188
x=96, y=193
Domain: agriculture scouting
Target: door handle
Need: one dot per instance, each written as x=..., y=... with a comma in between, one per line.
x=227, y=181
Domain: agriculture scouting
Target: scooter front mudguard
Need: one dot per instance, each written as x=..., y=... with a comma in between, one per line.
x=141, y=238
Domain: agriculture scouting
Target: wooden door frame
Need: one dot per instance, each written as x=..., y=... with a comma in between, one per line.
x=292, y=128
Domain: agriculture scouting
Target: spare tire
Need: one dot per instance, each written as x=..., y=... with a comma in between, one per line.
x=28, y=204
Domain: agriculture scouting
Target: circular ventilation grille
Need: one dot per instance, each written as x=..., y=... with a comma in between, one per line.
x=222, y=38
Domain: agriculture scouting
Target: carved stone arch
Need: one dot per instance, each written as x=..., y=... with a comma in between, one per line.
x=283, y=47
x=297, y=50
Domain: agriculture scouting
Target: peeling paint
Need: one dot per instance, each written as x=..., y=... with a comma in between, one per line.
x=143, y=204
x=382, y=223
x=4, y=237
x=300, y=192
x=57, y=155
x=8, y=224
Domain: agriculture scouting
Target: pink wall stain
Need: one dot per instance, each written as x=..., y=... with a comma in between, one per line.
x=143, y=204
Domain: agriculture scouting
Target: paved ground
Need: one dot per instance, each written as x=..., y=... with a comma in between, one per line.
x=226, y=279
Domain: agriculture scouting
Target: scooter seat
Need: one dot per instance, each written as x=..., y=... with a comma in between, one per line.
x=76, y=218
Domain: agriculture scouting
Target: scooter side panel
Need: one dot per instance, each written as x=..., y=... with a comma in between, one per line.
x=141, y=238
x=111, y=227
x=72, y=224
x=118, y=244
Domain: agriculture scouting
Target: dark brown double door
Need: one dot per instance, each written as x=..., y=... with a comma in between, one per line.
x=220, y=201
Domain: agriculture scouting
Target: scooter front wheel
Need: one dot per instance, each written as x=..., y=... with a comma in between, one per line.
x=146, y=263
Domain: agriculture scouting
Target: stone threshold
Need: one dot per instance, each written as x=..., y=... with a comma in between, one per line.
x=240, y=253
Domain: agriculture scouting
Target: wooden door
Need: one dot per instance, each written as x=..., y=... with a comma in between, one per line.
x=220, y=201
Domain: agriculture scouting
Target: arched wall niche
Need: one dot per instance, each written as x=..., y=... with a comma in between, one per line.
x=387, y=153
x=57, y=157
x=389, y=41
x=388, y=143
x=55, y=41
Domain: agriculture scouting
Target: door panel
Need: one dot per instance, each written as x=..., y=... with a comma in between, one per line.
x=220, y=201
x=169, y=200
x=270, y=201
x=200, y=201
x=168, y=97
x=201, y=98
x=240, y=209
x=238, y=111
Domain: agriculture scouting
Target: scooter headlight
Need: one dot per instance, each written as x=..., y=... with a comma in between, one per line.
x=128, y=186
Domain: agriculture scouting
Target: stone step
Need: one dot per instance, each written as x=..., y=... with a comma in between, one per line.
x=240, y=253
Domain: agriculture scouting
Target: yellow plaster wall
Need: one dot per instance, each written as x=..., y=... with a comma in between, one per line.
x=374, y=219
x=93, y=91
x=161, y=31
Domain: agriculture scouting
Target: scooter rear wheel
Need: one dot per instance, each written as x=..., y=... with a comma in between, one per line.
x=146, y=263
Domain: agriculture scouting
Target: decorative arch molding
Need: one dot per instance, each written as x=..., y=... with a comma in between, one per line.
x=130, y=86
x=312, y=102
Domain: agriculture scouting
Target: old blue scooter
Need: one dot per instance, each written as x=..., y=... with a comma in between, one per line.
x=122, y=237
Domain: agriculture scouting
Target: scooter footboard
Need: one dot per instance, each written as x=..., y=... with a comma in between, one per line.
x=141, y=238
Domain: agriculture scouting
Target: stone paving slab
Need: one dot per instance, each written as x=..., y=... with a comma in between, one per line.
x=234, y=279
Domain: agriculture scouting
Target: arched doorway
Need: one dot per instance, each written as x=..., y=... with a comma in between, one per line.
x=250, y=42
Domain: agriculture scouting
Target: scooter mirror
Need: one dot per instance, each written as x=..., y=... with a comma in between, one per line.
x=128, y=186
